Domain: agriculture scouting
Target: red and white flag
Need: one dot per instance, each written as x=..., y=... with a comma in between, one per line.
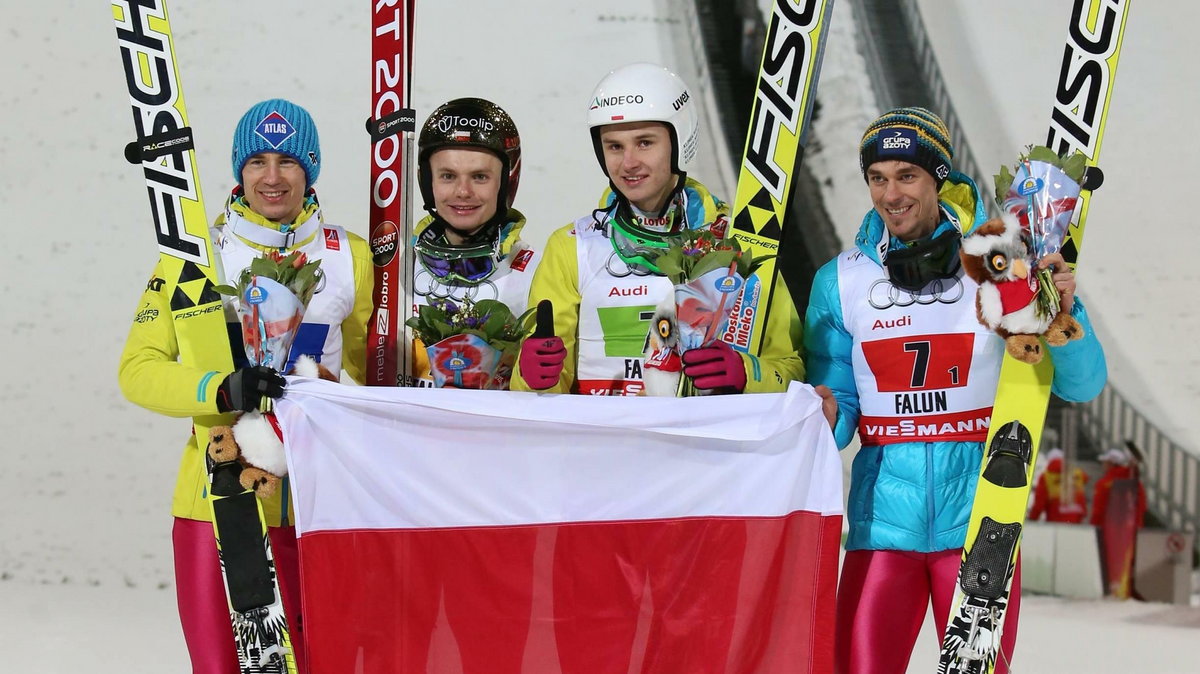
x=498, y=532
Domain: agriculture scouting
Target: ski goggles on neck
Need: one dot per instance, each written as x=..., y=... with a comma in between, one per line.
x=914, y=267
x=460, y=265
x=635, y=245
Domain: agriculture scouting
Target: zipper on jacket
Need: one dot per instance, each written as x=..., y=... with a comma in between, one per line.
x=931, y=534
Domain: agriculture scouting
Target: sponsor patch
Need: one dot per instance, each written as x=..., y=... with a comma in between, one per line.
x=146, y=315
x=383, y=242
x=458, y=121
x=898, y=142
x=275, y=129
x=256, y=295
x=728, y=284
x=719, y=226
x=521, y=259
x=625, y=99
x=1030, y=186
x=332, y=240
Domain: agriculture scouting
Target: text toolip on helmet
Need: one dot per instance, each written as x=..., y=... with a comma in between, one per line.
x=471, y=122
x=645, y=92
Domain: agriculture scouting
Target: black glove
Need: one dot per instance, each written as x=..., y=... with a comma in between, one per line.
x=244, y=390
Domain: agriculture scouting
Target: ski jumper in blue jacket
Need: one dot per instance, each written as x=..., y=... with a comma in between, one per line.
x=914, y=373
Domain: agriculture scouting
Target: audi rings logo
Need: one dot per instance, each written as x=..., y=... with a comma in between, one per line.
x=430, y=286
x=459, y=122
x=884, y=295
x=619, y=268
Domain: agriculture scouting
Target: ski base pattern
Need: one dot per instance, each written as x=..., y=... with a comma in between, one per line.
x=972, y=638
x=391, y=127
x=165, y=150
x=259, y=623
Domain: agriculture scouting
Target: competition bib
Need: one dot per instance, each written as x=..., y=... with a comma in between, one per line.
x=924, y=366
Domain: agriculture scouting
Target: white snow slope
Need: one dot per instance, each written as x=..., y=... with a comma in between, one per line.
x=85, y=565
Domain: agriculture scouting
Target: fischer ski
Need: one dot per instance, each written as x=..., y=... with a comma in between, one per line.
x=779, y=127
x=260, y=627
x=165, y=150
x=391, y=126
x=972, y=638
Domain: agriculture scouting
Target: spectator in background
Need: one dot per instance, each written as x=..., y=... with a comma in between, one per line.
x=1048, y=492
x=1118, y=464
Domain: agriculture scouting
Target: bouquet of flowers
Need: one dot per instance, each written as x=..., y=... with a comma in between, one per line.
x=272, y=295
x=1042, y=195
x=708, y=272
x=470, y=344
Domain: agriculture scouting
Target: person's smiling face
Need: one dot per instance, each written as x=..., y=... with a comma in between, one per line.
x=637, y=158
x=905, y=196
x=274, y=185
x=466, y=189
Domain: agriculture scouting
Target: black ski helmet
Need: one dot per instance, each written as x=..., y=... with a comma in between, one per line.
x=471, y=122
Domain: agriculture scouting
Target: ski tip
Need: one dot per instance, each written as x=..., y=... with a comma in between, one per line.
x=1093, y=178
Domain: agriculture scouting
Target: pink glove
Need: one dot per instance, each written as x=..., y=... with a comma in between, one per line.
x=541, y=361
x=715, y=367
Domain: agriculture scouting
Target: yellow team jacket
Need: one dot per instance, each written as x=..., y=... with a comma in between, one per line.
x=150, y=374
x=575, y=292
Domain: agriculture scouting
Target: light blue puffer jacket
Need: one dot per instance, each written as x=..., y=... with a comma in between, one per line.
x=917, y=496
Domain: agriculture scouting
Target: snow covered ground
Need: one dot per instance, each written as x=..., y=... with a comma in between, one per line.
x=85, y=571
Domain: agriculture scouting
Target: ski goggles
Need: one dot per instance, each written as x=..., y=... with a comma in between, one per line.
x=914, y=267
x=636, y=245
x=459, y=265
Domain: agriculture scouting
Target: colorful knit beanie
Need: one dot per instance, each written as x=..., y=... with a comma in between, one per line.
x=914, y=135
x=277, y=126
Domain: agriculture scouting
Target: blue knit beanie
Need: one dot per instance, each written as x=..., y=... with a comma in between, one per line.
x=277, y=126
x=914, y=135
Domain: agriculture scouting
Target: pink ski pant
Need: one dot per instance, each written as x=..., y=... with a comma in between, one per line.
x=882, y=600
x=203, y=607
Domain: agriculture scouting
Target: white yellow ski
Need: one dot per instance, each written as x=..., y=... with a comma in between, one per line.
x=972, y=639
x=164, y=149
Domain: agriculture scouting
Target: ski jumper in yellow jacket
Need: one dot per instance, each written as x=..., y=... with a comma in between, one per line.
x=333, y=332
x=603, y=307
x=515, y=261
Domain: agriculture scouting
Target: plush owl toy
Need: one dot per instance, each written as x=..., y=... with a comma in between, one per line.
x=662, y=366
x=997, y=256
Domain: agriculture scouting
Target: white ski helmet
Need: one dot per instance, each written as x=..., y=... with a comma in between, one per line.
x=645, y=92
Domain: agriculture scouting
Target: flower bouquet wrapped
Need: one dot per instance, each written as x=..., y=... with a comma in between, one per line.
x=1042, y=195
x=708, y=272
x=470, y=344
x=271, y=297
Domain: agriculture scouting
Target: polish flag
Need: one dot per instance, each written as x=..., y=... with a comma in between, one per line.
x=499, y=532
